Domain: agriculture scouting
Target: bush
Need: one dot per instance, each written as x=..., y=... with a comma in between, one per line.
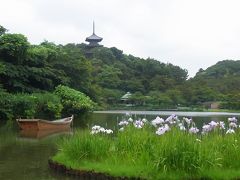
x=63, y=101
x=6, y=106
x=48, y=105
x=74, y=102
x=40, y=105
x=24, y=105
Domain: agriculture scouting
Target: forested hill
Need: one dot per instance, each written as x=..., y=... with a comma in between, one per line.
x=106, y=74
x=116, y=73
x=220, y=82
x=223, y=77
x=221, y=69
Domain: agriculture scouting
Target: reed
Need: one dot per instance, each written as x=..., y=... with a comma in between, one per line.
x=139, y=152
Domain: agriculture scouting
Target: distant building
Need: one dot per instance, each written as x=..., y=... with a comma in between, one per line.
x=126, y=96
x=93, y=39
x=211, y=105
x=126, y=99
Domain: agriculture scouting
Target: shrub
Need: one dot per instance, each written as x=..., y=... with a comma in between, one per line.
x=24, y=105
x=6, y=111
x=73, y=101
x=48, y=105
x=40, y=105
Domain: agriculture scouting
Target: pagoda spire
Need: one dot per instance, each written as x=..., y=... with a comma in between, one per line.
x=93, y=27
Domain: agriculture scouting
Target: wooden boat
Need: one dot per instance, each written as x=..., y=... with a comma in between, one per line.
x=40, y=124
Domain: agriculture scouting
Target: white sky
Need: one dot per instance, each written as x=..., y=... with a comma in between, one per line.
x=190, y=33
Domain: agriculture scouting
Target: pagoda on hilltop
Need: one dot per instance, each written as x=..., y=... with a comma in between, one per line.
x=93, y=39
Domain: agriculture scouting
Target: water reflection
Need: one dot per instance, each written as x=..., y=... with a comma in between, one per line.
x=40, y=134
x=20, y=159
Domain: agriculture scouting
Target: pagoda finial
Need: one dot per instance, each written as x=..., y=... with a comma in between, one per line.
x=93, y=27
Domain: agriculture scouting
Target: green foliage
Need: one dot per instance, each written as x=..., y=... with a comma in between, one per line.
x=2, y=30
x=221, y=69
x=40, y=105
x=38, y=56
x=138, y=98
x=78, y=69
x=141, y=153
x=6, y=106
x=73, y=101
x=106, y=74
x=38, y=68
x=2, y=68
x=13, y=47
x=111, y=97
x=231, y=101
x=214, y=83
x=223, y=77
x=48, y=105
x=109, y=77
x=24, y=105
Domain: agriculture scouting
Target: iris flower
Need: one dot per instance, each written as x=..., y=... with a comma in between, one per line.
x=193, y=130
x=157, y=121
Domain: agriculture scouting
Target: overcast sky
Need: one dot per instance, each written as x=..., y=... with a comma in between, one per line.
x=190, y=33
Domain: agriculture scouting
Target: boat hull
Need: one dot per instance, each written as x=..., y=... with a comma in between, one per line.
x=26, y=125
x=39, y=124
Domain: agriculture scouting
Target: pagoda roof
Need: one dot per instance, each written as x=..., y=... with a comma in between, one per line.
x=94, y=37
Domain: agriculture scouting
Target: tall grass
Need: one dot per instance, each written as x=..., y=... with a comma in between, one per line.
x=141, y=153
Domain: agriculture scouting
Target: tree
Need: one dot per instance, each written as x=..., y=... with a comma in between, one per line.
x=2, y=68
x=2, y=30
x=138, y=98
x=109, y=77
x=175, y=96
x=117, y=53
x=160, y=100
x=13, y=48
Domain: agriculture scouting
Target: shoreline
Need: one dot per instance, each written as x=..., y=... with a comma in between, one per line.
x=85, y=174
x=168, y=113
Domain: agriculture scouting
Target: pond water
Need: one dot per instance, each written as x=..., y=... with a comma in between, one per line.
x=25, y=156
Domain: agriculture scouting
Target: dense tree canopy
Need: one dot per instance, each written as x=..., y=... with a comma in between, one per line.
x=106, y=74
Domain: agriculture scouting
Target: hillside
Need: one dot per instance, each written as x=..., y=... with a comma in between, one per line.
x=220, y=82
x=223, y=77
x=106, y=74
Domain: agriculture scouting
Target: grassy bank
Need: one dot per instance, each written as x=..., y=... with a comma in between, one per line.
x=142, y=152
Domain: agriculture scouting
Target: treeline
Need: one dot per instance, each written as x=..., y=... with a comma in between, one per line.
x=113, y=74
x=104, y=75
x=220, y=82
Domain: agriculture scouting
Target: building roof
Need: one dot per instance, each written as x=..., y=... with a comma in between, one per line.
x=126, y=96
x=94, y=37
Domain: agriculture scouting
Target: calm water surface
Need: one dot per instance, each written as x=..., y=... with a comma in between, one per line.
x=25, y=156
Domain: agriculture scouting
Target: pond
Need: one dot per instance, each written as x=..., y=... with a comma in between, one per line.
x=25, y=155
